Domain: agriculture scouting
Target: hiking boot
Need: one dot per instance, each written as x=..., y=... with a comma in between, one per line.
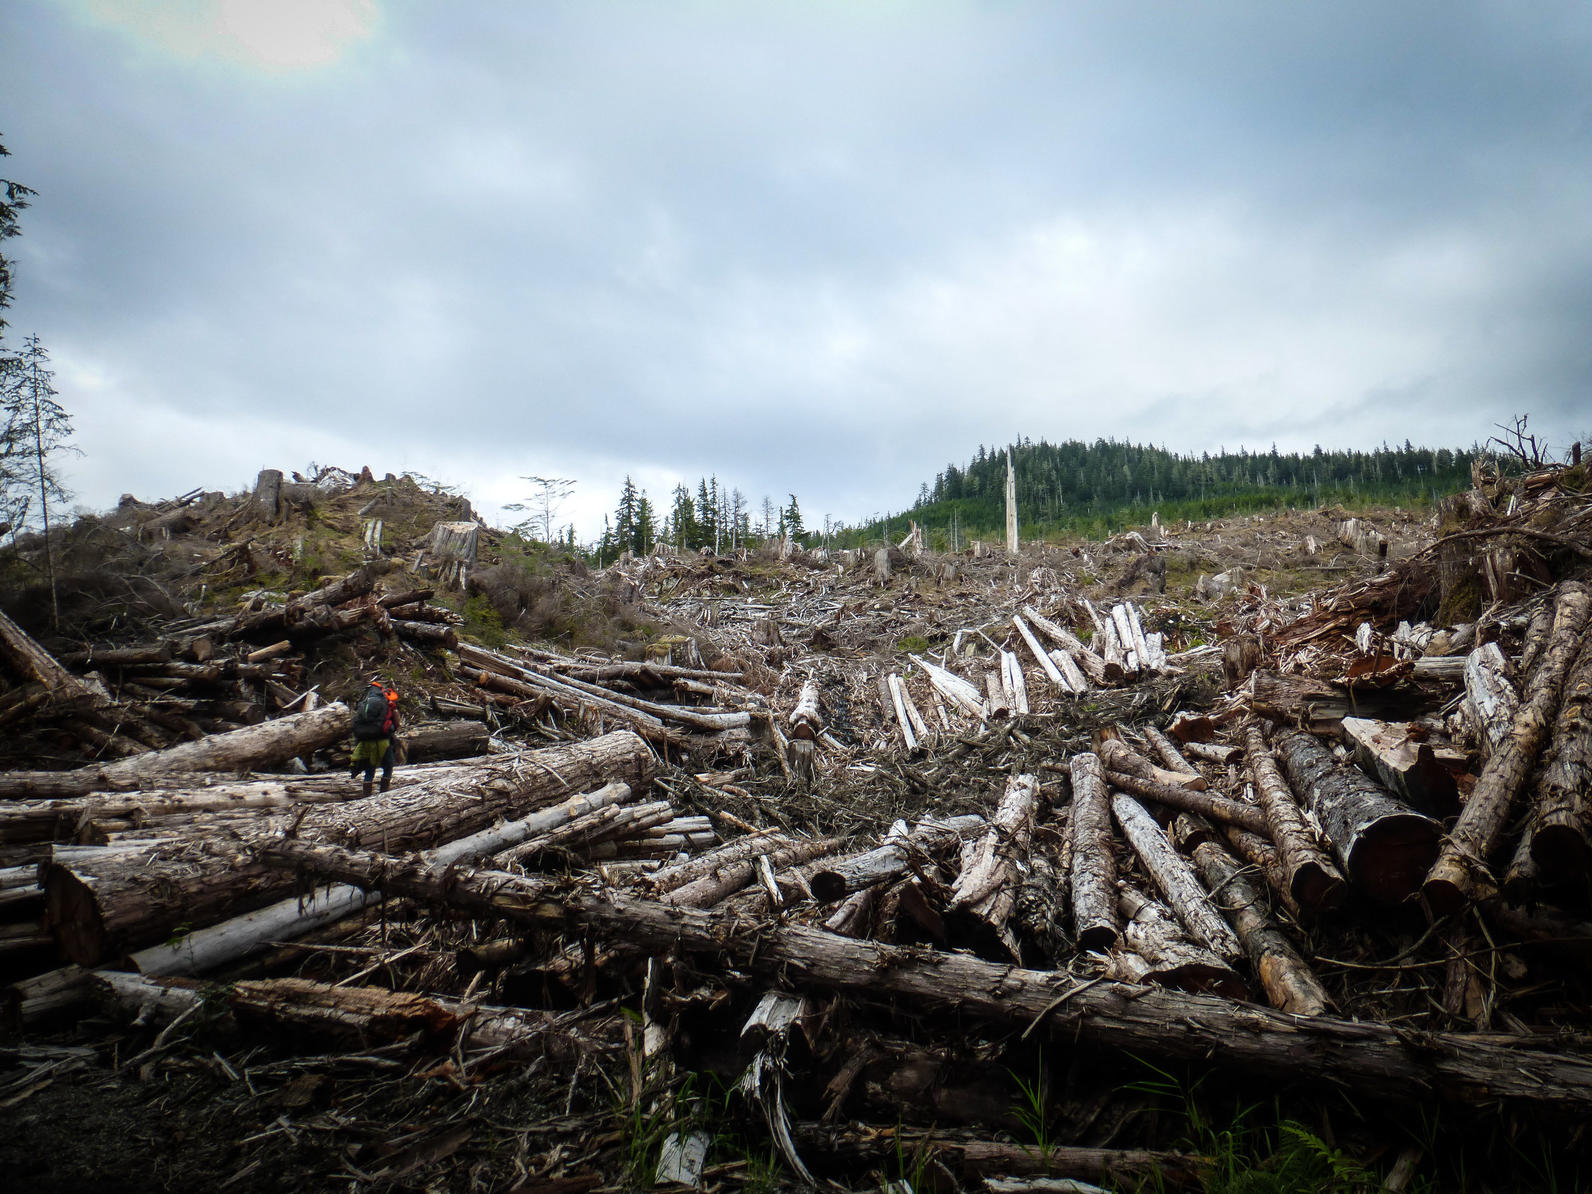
x=386, y=782
x=369, y=784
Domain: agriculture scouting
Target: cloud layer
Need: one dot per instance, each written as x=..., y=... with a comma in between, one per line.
x=819, y=248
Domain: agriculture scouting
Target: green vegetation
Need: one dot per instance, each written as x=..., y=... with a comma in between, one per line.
x=1098, y=489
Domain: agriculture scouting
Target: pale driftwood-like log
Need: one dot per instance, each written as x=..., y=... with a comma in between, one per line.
x=130, y=899
x=1175, y=878
x=1206, y=804
x=851, y=918
x=986, y=890
x=1561, y=827
x=1383, y=845
x=1374, y=1059
x=1491, y=699
x=1094, y=865
x=807, y=719
x=102, y=657
x=1313, y=881
x=898, y=702
x=1157, y=949
x=1117, y=755
x=1214, y=752
x=444, y=740
x=1016, y=682
x=1000, y=702
x=436, y=634
x=1469, y=846
x=1039, y=654
x=748, y=846
x=920, y=726
x=1121, y=626
x=1070, y=672
x=302, y=611
x=32, y=664
x=892, y=859
x=961, y=693
x=1405, y=763
x=1091, y=663
x=1287, y=979
x=1168, y=753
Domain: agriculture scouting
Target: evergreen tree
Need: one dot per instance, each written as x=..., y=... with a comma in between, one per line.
x=791, y=519
x=682, y=519
x=644, y=535
x=37, y=428
x=13, y=200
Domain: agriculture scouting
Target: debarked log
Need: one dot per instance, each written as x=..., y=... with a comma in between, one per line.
x=1175, y=878
x=1156, y=949
x=1378, y=1060
x=892, y=859
x=1206, y=804
x=1383, y=845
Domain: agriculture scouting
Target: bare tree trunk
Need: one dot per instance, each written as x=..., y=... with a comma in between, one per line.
x=1175, y=879
x=1561, y=830
x=1157, y=949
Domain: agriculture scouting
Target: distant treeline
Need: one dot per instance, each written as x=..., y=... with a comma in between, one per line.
x=1101, y=488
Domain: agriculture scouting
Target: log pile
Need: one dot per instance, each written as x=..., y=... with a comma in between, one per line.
x=859, y=889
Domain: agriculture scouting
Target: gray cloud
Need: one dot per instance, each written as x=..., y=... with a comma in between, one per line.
x=806, y=247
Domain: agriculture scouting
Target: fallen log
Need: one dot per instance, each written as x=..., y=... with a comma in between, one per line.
x=1378, y=1060
x=985, y=891
x=367, y=1015
x=1094, y=865
x=32, y=664
x=807, y=719
x=1490, y=698
x=259, y=746
x=1086, y=659
x=1169, y=754
x=1313, y=881
x=1384, y=846
x=1287, y=979
x=1175, y=879
x=892, y=859
x=106, y=905
x=1156, y=949
x=1561, y=828
x=728, y=879
x=1206, y=804
x=1465, y=854
x=1116, y=755
x=1404, y=762
x=1045, y=662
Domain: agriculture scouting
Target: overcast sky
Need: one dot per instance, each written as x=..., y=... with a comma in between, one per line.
x=817, y=247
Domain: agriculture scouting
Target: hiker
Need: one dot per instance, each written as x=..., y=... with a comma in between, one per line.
x=375, y=735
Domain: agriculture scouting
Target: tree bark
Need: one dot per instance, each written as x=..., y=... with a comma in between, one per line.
x=892, y=859
x=1376, y=1059
x=1116, y=755
x=1089, y=661
x=807, y=718
x=1206, y=804
x=1156, y=949
x=986, y=890
x=1490, y=699
x=1561, y=830
x=1094, y=865
x=1287, y=979
x=102, y=906
x=1175, y=879
x=1383, y=845
x=1313, y=881
x=1471, y=843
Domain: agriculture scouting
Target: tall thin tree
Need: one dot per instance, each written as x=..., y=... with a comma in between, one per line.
x=37, y=428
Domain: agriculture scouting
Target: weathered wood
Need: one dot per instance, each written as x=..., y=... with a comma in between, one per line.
x=1206, y=804
x=1313, y=881
x=96, y=657
x=100, y=906
x=1094, y=865
x=1157, y=949
x=732, y=877
x=444, y=740
x=1175, y=878
x=807, y=718
x=1561, y=828
x=1382, y=844
x=1398, y=754
x=892, y=859
x=1491, y=699
x=266, y=501
x=1463, y=861
x=1039, y=654
x=32, y=664
x=985, y=891
x=953, y=688
x=1214, y=752
x=745, y=847
x=1287, y=979
x=1374, y=1059
x=1117, y=755
x=1015, y=682
x=1363, y=537
x=437, y=634
x=898, y=701
x=1088, y=660
x=1168, y=753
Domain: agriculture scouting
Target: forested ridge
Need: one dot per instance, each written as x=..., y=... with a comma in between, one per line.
x=1100, y=487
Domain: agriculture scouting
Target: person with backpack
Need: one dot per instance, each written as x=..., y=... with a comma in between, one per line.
x=375, y=735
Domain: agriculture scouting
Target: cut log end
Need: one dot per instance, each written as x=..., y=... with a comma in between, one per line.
x=73, y=916
x=1392, y=857
x=1318, y=887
